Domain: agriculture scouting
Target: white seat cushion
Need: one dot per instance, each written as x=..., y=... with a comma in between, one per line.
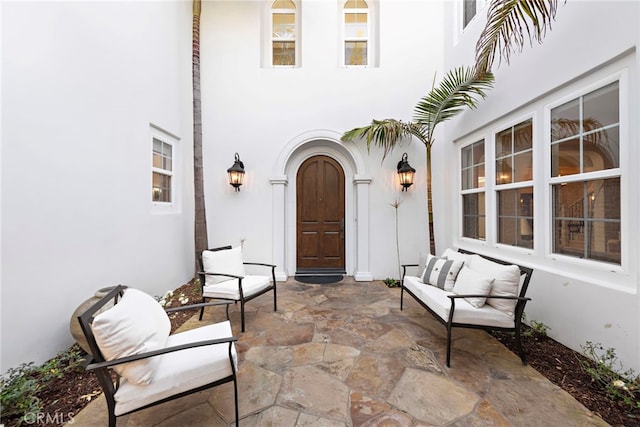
x=181, y=370
x=227, y=261
x=438, y=301
x=136, y=324
x=231, y=290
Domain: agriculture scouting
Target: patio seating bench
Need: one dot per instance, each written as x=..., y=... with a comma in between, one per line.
x=462, y=289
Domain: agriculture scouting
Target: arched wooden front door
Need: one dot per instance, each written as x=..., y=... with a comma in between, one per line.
x=320, y=215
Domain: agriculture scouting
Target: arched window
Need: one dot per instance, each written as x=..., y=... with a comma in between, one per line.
x=284, y=33
x=357, y=33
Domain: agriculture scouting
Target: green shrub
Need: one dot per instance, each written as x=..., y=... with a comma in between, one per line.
x=20, y=386
x=391, y=283
x=605, y=370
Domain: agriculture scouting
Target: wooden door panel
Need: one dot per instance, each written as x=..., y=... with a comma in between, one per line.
x=320, y=214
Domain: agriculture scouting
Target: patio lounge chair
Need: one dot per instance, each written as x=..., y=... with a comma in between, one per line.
x=151, y=367
x=222, y=277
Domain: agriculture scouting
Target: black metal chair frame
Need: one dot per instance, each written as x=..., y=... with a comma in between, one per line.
x=203, y=275
x=450, y=324
x=103, y=371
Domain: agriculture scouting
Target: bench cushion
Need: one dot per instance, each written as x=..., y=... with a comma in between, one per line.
x=506, y=283
x=438, y=301
x=471, y=282
x=441, y=272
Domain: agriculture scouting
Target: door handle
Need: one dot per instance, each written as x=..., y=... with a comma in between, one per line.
x=342, y=228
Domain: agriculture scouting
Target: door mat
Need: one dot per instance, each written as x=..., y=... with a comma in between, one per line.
x=320, y=280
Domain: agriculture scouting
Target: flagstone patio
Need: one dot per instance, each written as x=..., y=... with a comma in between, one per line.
x=344, y=354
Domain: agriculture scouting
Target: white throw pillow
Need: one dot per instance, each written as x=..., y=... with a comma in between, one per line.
x=228, y=261
x=136, y=324
x=471, y=282
x=441, y=272
x=455, y=255
x=506, y=283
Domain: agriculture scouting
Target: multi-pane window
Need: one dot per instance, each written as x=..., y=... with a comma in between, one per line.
x=473, y=194
x=585, y=176
x=514, y=190
x=162, y=174
x=284, y=33
x=468, y=11
x=356, y=32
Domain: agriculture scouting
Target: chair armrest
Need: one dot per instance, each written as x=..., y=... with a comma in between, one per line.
x=146, y=355
x=211, y=273
x=192, y=306
x=260, y=263
x=409, y=265
x=489, y=296
x=404, y=269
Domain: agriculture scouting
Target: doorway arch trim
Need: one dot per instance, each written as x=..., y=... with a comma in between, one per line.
x=283, y=184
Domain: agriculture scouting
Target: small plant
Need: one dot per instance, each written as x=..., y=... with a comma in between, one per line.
x=20, y=385
x=391, y=283
x=540, y=327
x=534, y=327
x=604, y=369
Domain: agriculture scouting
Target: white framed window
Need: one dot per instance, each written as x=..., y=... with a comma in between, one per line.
x=473, y=191
x=357, y=30
x=585, y=176
x=514, y=185
x=164, y=173
x=469, y=10
x=285, y=34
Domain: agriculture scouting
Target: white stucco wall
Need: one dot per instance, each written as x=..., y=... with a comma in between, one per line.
x=260, y=111
x=81, y=84
x=589, y=42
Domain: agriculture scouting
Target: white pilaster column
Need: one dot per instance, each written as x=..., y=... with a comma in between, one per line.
x=278, y=187
x=362, y=271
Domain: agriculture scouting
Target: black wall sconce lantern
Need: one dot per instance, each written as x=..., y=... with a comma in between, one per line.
x=405, y=172
x=236, y=173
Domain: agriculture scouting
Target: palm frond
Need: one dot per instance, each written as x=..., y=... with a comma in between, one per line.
x=459, y=89
x=387, y=134
x=509, y=23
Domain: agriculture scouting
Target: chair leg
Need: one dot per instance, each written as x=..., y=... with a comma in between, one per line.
x=235, y=392
x=242, y=314
x=202, y=310
x=448, y=345
x=401, y=297
x=112, y=419
x=275, y=301
x=523, y=357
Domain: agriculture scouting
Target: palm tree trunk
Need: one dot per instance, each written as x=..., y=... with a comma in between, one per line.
x=432, y=239
x=200, y=231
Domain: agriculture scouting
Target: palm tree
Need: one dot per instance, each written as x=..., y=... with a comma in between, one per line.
x=507, y=23
x=460, y=88
x=200, y=229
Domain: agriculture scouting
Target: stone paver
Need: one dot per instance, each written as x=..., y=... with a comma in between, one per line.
x=344, y=354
